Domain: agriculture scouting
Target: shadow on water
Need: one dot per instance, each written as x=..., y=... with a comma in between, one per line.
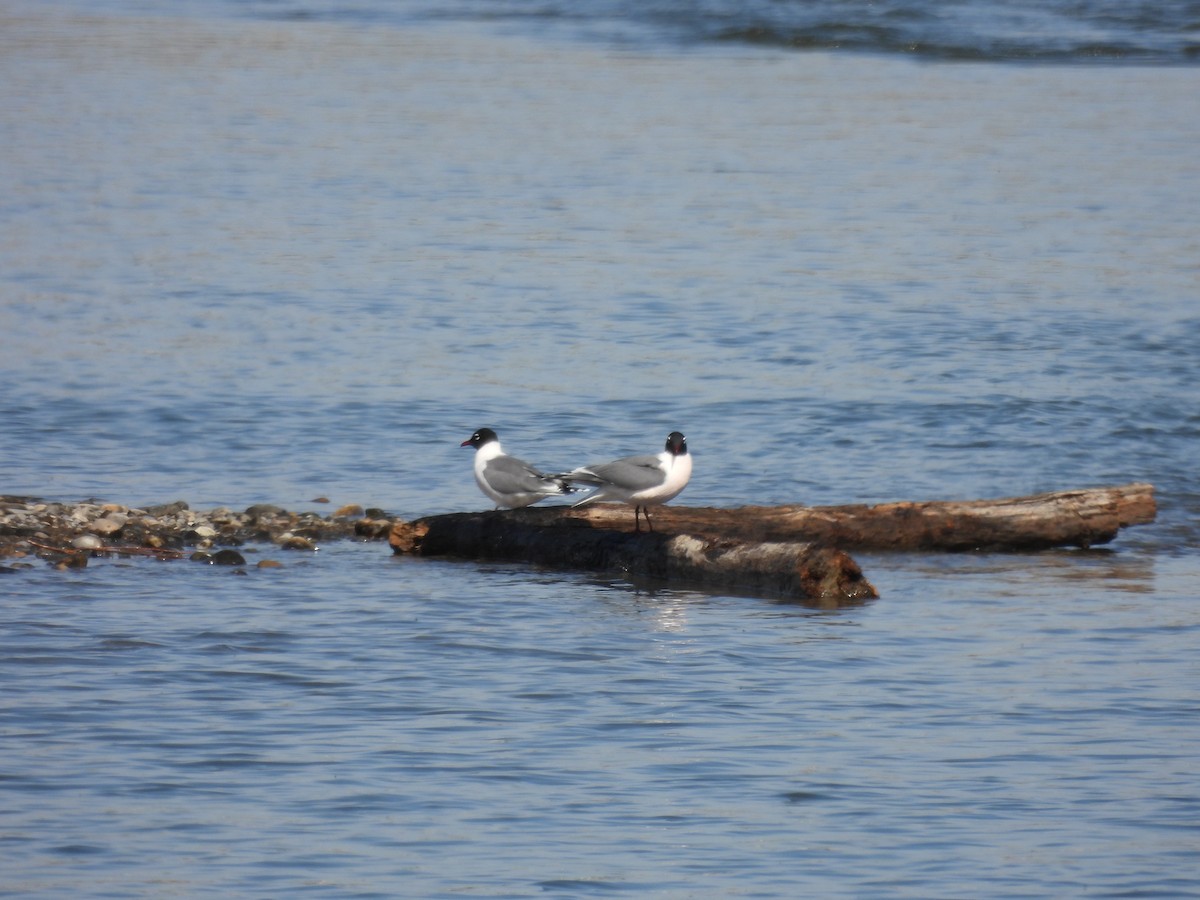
x=685, y=591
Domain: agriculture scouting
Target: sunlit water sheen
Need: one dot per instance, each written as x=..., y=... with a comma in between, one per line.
x=245, y=262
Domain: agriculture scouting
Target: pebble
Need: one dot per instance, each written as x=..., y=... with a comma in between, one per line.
x=263, y=510
x=167, y=509
x=110, y=524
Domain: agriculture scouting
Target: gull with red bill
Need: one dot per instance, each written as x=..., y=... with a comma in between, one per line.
x=508, y=481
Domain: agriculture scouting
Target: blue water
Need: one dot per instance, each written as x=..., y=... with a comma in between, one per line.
x=1058, y=31
x=253, y=255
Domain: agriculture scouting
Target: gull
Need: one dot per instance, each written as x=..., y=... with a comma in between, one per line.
x=508, y=481
x=642, y=481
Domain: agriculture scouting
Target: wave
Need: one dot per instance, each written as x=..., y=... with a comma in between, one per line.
x=1055, y=31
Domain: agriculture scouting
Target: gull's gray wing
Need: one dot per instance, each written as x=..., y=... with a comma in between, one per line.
x=509, y=475
x=632, y=473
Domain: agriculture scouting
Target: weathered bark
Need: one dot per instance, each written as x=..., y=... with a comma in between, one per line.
x=786, y=551
x=1079, y=518
x=798, y=571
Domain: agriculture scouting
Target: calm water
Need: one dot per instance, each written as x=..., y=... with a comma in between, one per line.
x=268, y=254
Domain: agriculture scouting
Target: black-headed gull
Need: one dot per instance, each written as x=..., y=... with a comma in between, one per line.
x=509, y=481
x=642, y=481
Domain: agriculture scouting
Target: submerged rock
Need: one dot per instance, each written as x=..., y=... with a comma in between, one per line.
x=295, y=542
x=228, y=557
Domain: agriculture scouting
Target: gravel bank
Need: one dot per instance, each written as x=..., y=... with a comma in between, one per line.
x=67, y=535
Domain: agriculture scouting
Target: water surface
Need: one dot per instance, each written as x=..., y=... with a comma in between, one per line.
x=264, y=261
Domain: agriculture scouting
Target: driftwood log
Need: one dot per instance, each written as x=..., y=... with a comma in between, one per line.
x=787, y=569
x=1080, y=518
x=795, y=552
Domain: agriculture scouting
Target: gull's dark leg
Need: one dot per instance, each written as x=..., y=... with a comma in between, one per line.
x=637, y=525
x=646, y=513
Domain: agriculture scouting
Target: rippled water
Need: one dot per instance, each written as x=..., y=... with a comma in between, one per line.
x=266, y=261
x=439, y=730
x=1136, y=31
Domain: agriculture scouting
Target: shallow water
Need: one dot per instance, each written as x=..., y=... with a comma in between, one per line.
x=261, y=262
x=439, y=729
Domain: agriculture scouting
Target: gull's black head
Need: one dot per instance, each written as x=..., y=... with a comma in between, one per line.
x=479, y=438
x=676, y=444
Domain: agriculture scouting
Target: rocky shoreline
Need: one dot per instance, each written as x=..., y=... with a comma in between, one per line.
x=67, y=535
